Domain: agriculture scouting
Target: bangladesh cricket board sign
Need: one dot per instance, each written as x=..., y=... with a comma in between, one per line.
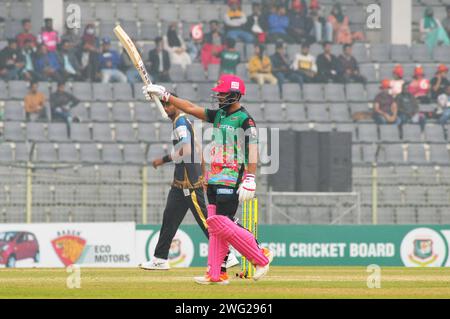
x=310, y=245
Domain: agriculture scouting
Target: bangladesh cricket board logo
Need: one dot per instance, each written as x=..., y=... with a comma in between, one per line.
x=69, y=246
x=181, y=252
x=423, y=247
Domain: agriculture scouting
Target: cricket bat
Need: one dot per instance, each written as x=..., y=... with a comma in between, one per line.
x=135, y=57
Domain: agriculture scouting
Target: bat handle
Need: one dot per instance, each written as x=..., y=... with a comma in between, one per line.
x=160, y=107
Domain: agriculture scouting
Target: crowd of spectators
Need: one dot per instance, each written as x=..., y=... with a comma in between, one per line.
x=305, y=67
x=48, y=56
x=398, y=101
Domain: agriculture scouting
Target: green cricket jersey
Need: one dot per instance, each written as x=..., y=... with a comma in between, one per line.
x=229, y=61
x=232, y=135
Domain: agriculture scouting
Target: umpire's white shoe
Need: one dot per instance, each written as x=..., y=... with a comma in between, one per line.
x=261, y=271
x=155, y=264
x=231, y=261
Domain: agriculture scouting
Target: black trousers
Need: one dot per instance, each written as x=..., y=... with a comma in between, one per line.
x=176, y=208
x=225, y=199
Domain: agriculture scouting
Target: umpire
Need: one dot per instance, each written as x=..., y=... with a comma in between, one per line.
x=186, y=191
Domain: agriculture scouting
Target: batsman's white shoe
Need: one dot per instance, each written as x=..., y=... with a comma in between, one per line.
x=206, y=280
x=261, y=271
x=231, y=261
x=155, y=264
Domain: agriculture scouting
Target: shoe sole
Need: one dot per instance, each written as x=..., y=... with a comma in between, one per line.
x=153, y=268
x=270, y=257
x=221, y=283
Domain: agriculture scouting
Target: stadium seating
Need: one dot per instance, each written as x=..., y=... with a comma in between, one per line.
x=120, y=130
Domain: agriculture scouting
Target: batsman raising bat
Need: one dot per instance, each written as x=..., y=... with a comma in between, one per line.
x=186, y=191
x=187, y=187
x=231, y=178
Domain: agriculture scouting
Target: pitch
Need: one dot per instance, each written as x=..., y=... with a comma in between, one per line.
x=281, y=282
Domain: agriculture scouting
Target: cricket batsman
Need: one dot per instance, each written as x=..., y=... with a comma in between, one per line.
x=186, y=191
x=231, y=178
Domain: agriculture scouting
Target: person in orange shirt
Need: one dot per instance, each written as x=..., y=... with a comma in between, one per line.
x=260, y=67
x=420, y=86
x=34, y=103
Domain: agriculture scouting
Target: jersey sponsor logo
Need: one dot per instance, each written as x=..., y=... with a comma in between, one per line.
x=224, y=191
x=251, y=122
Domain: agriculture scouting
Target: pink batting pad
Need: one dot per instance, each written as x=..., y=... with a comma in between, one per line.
x=238, y=237
x=217, y=248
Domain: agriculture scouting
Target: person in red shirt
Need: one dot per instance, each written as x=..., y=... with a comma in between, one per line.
x=420, y=86
x=398, y=81
x=26, y=35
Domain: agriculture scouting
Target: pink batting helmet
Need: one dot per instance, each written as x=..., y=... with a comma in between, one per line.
x=229, y=83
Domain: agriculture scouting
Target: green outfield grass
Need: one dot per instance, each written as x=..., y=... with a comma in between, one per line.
x=281, y=282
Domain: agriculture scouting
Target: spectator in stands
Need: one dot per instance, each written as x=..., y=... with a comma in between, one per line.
x=11, y=62
x=257, y=24
x=48, y=36
x=278, y=26
x=159, y=62
x=235, y=23
x=213, y=45
x=260, y=67
x=176, y=47
x=385, y=108
x=229, y=57
x=34, y=103
x=304, y=64
x=341, y=27
x=281, y=68
x=420, y=86
x=29, y=52
x=109, y=63
x=194, y=44
x=301, y=25
x=127, y=66
x=432, y=31
x=446, y=21
x=71, y=68
x=327, y=65
x=61, y=103
x=88, y=54
x=71, y=36
x=439, y=82
x=349, y=68
x=323, y=29
x=397, y=82
x=89, y=40
x=47, y=64
x=408, y=108
x=442, y=111
x=26, y=35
